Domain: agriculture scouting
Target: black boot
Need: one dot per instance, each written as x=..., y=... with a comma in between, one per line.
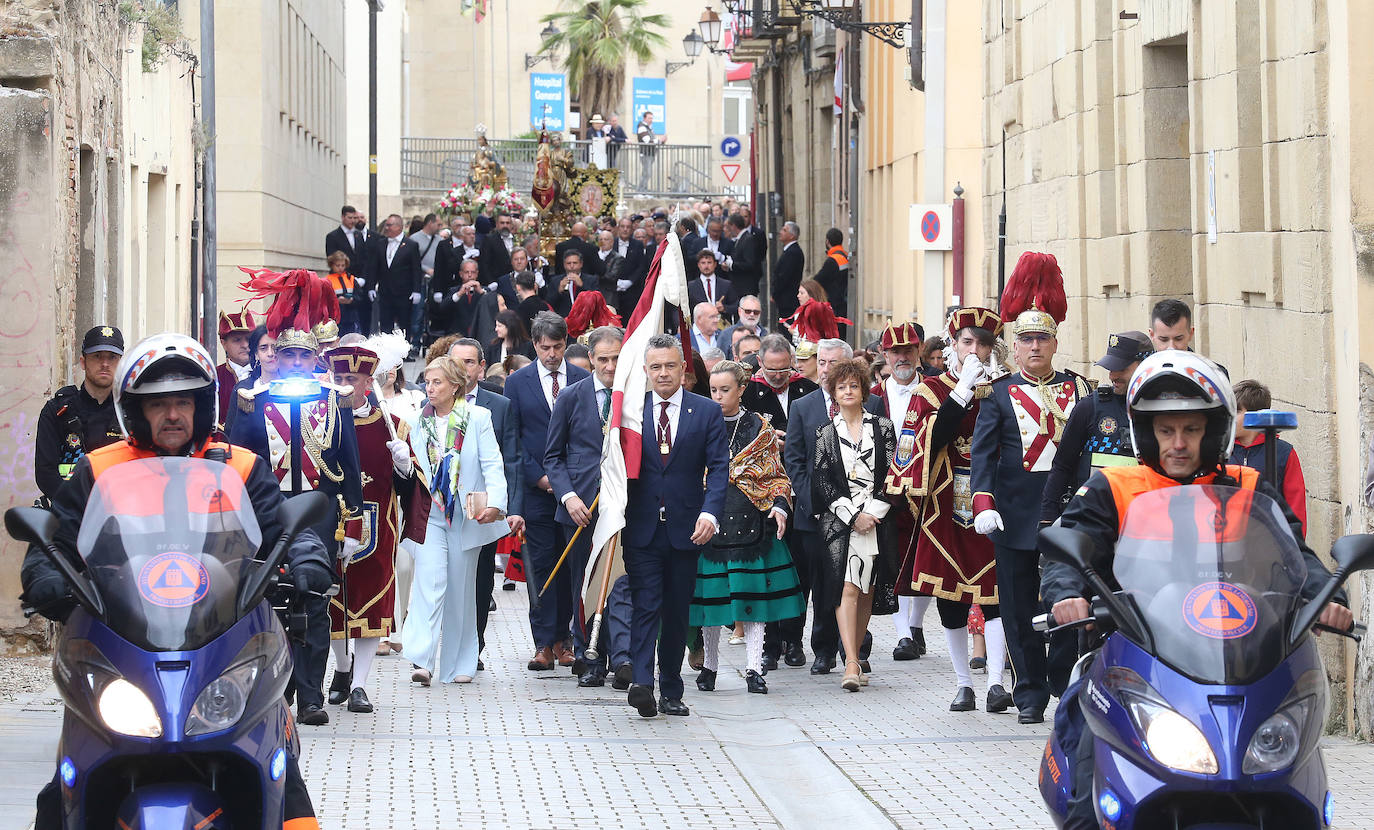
x=338, y=688
x=918, y=636
x=757, y=685
x=706, y=680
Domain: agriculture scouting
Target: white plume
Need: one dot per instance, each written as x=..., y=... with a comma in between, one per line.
x=391, y=349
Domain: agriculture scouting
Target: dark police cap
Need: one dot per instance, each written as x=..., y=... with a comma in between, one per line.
x=103, y=339
x=1124, y=349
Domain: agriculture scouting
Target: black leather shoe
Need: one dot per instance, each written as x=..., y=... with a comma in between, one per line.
x=313, y=715
x=795, y=656
x=999, y=699
x=579, y=667
x=594, y=676
x=642, y=698
x=963, y=700
x=919, y=637
x=1031, y=715
x=672, y=706
x=769, y=663
x=706, y=680
x=906, y=650
x=623, y=677
x=864, y=666
x=358, y=702
x=823, y=665
x=757, y=685
x=866, y=647
x=339, y=686
x=492, y=607
x=481, y=666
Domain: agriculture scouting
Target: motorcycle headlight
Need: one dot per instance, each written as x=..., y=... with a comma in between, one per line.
x=127, y=710
x=1276, y=742
x=221, y=703
x=1171, y=738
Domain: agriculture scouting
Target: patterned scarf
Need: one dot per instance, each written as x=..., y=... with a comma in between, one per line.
x=758, y=472
x=443, y=483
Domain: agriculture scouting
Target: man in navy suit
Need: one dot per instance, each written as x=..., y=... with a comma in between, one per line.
x=469, y=353
x=668, y=520
x=572, y=459
x=532, y=391
x=691, y=243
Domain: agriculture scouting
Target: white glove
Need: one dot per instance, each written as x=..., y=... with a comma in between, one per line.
x=359, y=282
x=372, y=295
x=491, y=286
x=438, y=296
x=538, y=279
x=623, y=285
x=970, y=373
x=988, y=521
x=414, y=297
x=400, y=456
x=349, y=549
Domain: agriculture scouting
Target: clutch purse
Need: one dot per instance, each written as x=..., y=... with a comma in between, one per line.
x=475, y=504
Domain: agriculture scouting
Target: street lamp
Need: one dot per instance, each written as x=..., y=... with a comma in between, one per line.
x=692, y=46
x=550, y=31
x=709, y=24
x=845, y=16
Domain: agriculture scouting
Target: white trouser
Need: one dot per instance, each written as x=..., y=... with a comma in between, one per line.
x=443, y=602
x=405, y=572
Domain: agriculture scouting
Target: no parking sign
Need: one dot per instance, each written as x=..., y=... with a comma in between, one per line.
x=930, y=228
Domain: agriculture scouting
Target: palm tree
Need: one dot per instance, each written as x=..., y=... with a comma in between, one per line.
x=599, y=37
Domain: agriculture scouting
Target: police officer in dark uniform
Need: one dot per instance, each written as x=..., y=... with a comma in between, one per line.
x=303, y=428
x=1098, y=432
x=81, y=418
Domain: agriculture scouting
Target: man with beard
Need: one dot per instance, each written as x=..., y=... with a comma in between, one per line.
x=496, y=250
x=771, y=393
x=1015, y=443
x=895, y=399
x=79, y=419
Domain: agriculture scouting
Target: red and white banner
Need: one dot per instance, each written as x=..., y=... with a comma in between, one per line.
x=665, y=285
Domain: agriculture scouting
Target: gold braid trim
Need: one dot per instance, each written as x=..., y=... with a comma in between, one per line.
x=314, y=444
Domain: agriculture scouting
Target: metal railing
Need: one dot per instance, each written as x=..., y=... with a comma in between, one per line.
x=430, y=166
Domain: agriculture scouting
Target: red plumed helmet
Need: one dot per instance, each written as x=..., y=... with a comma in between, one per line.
x=1034, y=299
x=589, y=311
x=300, y=300
x=815, y=321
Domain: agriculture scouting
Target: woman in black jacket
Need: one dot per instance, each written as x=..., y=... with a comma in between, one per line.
x=511, y=338
x=853, y=452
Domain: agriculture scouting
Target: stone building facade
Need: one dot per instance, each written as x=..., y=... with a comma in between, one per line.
x=1210, y=151
x=97, y=187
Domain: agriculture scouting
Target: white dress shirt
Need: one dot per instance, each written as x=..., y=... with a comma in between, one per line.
x=623, y=246
x=546, y=381
x=393, y=244
x=710, y=286
x=674, y=410
x=899, y=398
x=353, y=240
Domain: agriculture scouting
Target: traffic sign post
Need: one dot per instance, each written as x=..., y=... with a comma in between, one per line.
x=930, y=228
x=730, y=171
x=730, y=147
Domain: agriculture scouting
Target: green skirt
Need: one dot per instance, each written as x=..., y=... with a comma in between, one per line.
x=763, y=589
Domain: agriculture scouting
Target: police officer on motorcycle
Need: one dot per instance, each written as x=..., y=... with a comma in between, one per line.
x=1183, y=422
x=166, y=402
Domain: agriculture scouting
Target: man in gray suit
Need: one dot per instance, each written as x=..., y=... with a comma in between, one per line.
x=469, y=353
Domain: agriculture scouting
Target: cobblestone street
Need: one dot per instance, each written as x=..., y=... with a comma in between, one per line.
x=520, y=749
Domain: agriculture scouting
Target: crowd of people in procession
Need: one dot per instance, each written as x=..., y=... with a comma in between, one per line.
x=780, y=470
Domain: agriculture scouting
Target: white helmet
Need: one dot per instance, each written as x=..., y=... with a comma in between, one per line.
x=1180, y=381
x=161, y=365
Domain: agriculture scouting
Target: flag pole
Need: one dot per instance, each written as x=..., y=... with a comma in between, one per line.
x=567, y=550
x=592, y=651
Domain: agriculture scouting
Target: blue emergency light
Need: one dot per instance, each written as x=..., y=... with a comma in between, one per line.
x=1262, y=419
x=294, y=389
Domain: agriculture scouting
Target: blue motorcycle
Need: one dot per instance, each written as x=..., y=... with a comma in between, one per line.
x=173, y=666
x=1207, y=698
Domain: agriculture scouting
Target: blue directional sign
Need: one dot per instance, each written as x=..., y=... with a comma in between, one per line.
x=730, y=147
x=650, y=94
x=548, y=100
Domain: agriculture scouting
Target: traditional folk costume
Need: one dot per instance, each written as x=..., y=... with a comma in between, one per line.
x=228, y=373
x=319, y=453
x=898, y=403
x=1018, y=430
x=746, y=574
x=395, y=505
x=952, y=562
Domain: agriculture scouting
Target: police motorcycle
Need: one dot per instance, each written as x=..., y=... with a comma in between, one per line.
x=1207, y=696
x=172, y=667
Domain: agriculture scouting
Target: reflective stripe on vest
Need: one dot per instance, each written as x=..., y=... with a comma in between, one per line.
x=1128, y=482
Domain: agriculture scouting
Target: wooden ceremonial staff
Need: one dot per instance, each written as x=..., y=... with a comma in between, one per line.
x=592, y=639
x=566, y=550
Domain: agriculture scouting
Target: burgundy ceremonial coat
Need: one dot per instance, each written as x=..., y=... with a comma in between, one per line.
x=951, y=560
x=394, y=508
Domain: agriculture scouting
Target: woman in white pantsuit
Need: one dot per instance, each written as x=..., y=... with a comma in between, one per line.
x=458, y=454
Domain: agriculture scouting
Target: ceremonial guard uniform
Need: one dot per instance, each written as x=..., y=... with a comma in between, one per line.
x=395, y=505
x=229, y=373
x=1098, y=432
x=320, y=452
x=952, y=562
x=1018, y=430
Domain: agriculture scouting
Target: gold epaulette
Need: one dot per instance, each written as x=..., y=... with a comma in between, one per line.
x=247, y=396
x=1084, y=384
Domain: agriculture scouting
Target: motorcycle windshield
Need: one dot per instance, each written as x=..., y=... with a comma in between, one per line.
x=166, y=542
x=1215, y=572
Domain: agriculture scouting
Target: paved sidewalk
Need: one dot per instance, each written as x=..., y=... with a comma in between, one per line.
x=522, y=749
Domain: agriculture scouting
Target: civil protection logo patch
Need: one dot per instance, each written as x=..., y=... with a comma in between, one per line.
x=173, y=580
x=1220, y=610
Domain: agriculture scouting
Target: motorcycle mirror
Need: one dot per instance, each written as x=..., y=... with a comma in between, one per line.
x=1068, y=547
x=300, y=512
x=39, y=527
x=1354, y=552
x=34, y=525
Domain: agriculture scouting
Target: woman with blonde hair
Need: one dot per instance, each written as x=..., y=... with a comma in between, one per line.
x=459, y=456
